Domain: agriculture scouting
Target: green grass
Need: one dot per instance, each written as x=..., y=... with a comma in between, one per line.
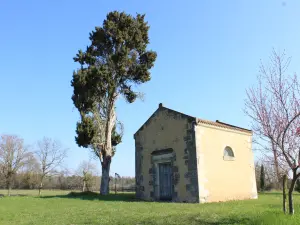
x=59, y=207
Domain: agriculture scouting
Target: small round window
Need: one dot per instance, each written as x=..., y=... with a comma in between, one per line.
x=228, y=153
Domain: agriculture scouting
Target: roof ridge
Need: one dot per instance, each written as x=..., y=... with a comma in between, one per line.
x=161, y=106
x=216, y=123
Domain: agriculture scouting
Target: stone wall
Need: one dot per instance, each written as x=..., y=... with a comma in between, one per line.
x=167, y=129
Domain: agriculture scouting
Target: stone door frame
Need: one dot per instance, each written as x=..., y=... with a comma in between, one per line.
x=158, y=157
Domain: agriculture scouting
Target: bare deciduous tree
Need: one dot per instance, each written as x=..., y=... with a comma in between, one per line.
x=86, y=170
x=274, y=106
x=50, y=154
x=13, y=155
x=30, y=172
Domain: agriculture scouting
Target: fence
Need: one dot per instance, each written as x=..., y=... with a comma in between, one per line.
x=119, y=188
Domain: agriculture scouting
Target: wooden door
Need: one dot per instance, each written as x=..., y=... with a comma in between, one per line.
x=165, y=181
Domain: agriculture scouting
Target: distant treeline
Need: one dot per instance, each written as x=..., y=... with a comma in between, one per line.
x=67, y=182
x=41, y=166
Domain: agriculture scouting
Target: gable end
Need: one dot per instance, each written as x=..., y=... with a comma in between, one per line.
x=160, y=108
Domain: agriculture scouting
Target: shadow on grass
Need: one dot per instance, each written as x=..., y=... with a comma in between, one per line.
x=276, y=193
x=123, y=197
x=228, y=220
x=279, y=194
x=270, y=193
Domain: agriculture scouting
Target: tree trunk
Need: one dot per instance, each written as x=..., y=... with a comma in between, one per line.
x=8, y=185
x=115, y=186
x=40, y=188
x=276, y=165
x=104, y=188
x=284, y=187
x=111, y=119
x=291, y=204
x=8, y=191
x=83, y=187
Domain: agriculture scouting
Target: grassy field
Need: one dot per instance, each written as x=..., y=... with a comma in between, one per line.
x=59, y=207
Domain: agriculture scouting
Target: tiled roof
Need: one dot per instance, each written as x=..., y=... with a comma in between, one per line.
x=212, y=123
x=223, y=125
x=217, y=123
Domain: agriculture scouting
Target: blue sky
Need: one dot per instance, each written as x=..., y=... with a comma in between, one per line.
x=208, y=54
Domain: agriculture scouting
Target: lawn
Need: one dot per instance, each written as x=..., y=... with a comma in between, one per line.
x=58, y=207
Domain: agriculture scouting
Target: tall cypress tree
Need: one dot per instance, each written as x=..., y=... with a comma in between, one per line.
x=116, y=60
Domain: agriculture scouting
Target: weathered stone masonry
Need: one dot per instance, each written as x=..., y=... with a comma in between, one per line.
x=189, y=151
x=189, y=160
x=138, y=169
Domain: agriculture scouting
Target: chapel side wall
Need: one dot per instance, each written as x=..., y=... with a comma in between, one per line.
x=221, y=180
x=167, y=129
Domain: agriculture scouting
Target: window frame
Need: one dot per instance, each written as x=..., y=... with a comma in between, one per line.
x=228, y=157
